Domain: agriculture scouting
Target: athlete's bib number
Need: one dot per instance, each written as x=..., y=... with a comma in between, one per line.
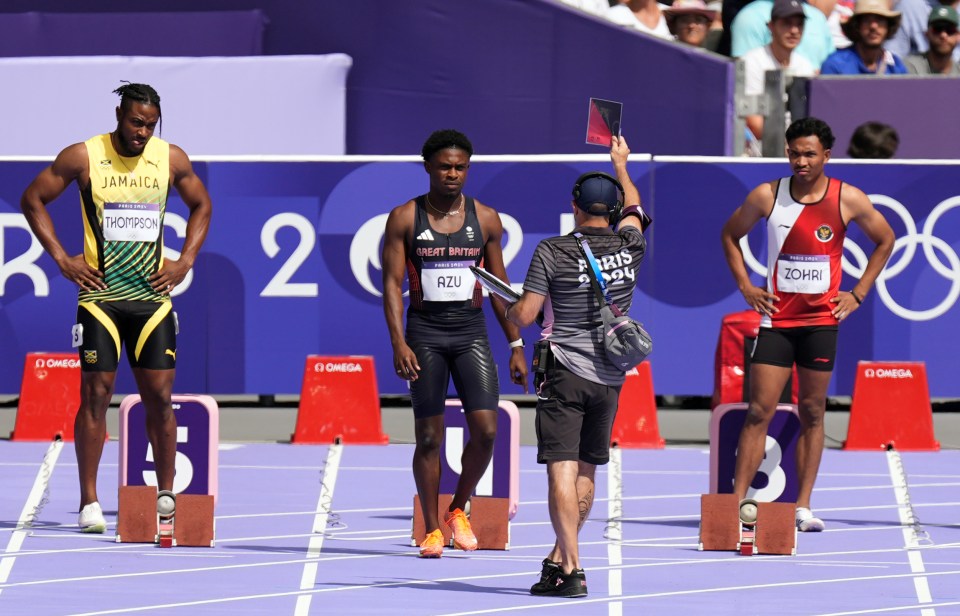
x=447, y=281
x=131, y=222
x=803, y=273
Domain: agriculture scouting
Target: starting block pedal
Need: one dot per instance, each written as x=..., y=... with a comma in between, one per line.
x=194, y=525
x=489, y=519
x=747, y=527
x=719, y=522
x=138, y=519
x=776, y=530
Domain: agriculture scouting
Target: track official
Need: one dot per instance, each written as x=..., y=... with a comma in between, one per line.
x=577, y=387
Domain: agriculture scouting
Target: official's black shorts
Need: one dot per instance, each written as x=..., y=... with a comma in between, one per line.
x=147, y=329
x=814, y=348
x=574, y=418
x=461, y=350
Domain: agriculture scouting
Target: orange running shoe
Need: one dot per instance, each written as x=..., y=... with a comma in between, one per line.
x=463, y=536
x=432, y=546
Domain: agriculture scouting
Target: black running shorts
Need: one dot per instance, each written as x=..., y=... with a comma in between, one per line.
x=147, y=329
x=459, y=350
x=814, y=348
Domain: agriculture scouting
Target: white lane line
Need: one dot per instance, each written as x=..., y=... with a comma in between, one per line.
x=30, y=508
x=614, y=531
x=308, y=579
x=890, y=610
x=551, y=605
x=910, y=526
x=658, y=563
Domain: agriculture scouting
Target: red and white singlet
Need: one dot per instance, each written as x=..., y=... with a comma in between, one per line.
x=804, y=252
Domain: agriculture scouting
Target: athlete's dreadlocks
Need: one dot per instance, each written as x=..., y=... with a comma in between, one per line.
x=140, y=93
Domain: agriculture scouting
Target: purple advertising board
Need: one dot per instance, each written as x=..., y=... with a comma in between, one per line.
x=291, y=266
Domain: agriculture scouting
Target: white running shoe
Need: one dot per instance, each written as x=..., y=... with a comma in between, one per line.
x=807, y=522
x=91, y=519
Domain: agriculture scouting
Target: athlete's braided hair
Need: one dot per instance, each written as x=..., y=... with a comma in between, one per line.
x=140, y=93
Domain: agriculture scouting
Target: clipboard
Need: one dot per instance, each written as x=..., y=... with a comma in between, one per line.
x=494, y=285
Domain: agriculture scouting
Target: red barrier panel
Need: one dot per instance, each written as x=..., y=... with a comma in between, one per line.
x=636, y=423
x=49, y=397
x=339, y=401
x=891, y=407
x=731, y=380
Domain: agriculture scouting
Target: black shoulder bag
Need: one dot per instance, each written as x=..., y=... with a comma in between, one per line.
x=624, y=340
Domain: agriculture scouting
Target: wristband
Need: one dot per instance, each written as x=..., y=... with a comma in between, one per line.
x=635, y=209
x=858, y=300
x=517, y=343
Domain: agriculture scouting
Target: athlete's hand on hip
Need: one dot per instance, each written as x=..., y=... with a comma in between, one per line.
x=76, y=270
x=845, y=304
x=170, y=275
x=405, y=361
x=518, y=368
x=761, y=300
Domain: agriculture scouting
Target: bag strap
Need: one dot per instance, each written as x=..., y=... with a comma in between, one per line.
x=596, y=277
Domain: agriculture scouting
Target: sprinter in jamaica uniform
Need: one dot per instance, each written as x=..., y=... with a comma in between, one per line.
x=125, y=283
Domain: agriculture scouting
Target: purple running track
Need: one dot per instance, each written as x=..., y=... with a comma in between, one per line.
x=268, y=558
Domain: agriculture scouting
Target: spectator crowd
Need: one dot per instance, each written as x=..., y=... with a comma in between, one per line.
x=802, y=38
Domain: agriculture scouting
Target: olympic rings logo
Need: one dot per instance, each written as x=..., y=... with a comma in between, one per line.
x=926, y=239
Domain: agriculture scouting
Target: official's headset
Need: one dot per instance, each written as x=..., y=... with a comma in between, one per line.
x=604, y=189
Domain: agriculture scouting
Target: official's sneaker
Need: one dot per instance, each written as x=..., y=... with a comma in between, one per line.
x=463, y=537
x=560, y=584
x=432, y=546
x=91, y=519
x=807, y=522
x=548, y=568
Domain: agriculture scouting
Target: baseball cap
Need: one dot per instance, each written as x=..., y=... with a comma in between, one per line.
x=944, y=13
x=596, y=187
x=786, y=8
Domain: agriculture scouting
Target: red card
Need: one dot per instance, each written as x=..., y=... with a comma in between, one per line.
x=603, y=121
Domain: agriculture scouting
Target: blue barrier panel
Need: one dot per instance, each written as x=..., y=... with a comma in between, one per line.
x=291, y=266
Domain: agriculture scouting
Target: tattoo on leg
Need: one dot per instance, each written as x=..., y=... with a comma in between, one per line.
x=586, y=504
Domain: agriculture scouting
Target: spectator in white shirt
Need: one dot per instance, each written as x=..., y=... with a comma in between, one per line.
x=643, y=15
x=786, y=24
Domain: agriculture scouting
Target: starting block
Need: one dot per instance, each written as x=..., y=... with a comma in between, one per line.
x=747, y=527
x=497, y=496
x=488, y=519
x=138, y=520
